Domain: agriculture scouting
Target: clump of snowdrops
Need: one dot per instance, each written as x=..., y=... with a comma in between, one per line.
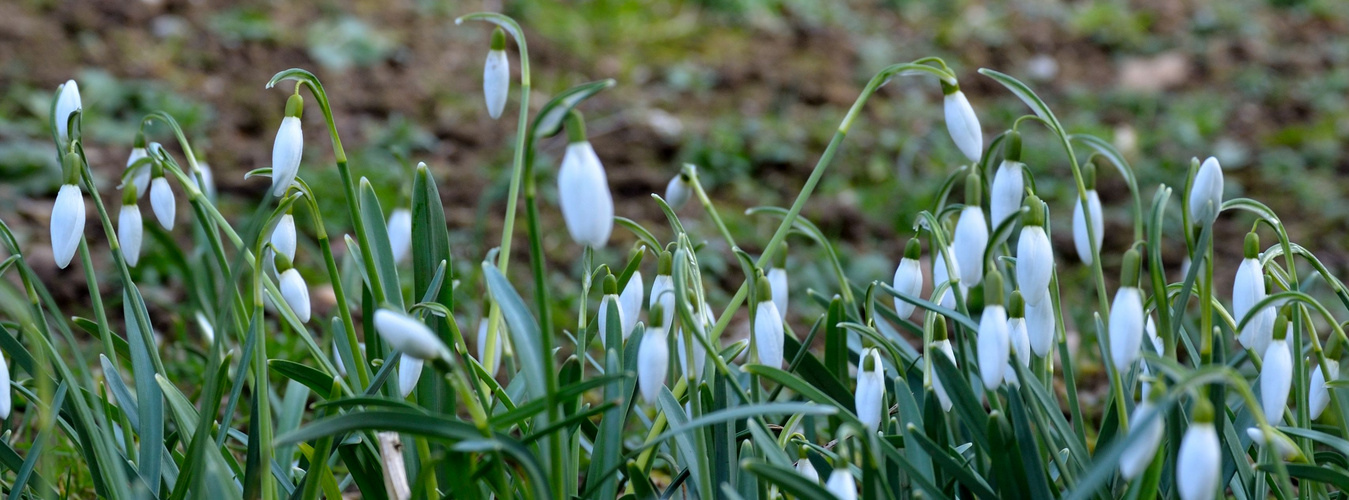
x=948, y=393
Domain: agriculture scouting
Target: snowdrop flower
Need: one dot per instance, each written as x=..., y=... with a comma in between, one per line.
x=67, y=102
x=207, y=331
x=941, y=276
x=662, y=290
x=1248, y=289
x=5, y=403
x=409, y=335
x=631, y=302
x=942, y=344
x=583, y=189
x=700, y=317
x=288, y=147
x=971, y=237
x=962, y=123
x=768, y=329
x=869, y=399
x=409, y=372
x=1142, y=442
x=841, y=483
x=653, y=356
x=1018, y=337
x=491, y=364
x=1286, y=448
x=296, y=292
x=1199, y=462
x=678, y=191
x=610, y=304
x=908, y=278
x=1126, y=316
x=1034, y=255
x=1008, y=183
x=994, y=346
x=496, y=75
x=777, y=280
x=283, y=236
x=1040, y=327
x=141, y=177
x=207, y=185
x=1206, y=193
x=1085, y=243
x=130, y=227
x=807, y=470
x=67, y=222
x=1276, y=377
x=162, y=202
x=400, y=233
x=1319, y=394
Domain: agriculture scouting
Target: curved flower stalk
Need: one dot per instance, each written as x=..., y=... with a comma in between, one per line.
x=961, y=122
x=940, y=275
x=1276, y=375
x=841, y=483
x=1143, y=440
x=653, y=356
x=1199, y=462
x=994, y=346
x=1034, y=255
x=1318, y=396
x=631, y=301
x=971, y=236
x=1009, y=183
x=130, y=227
x=678, y=191
x=289, y=146
x=1126, y=316
x=1248, y=289
x=409, y=372
x=67, y=101
x=496, y=75
x=777, y=280
x=1087, y=244
x=400, y=233
x=908, y=277
x=1018, y=336
x=942, y=344
x=67, y=219
x=1206, y=193
x=611, y=298
x=768, y=329
x=409, y=336
x=141, y=177
x=1040, y=327
x=705, y=318
x=869, y=399
x=662, y=291
x=583, y=189
x=162, y=202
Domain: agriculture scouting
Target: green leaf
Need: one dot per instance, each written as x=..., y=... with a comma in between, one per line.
x=836, y=341
x=1021, y=91
x=524, y=330
x=963, y=400
x=151, y=403
x=378, y=232
x=787, y=479
x=312, y=378
x=1334, y=477
x=549, y=120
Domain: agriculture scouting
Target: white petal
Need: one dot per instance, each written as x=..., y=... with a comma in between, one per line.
x=296, y=293
x=1080, y=239
x=908, y=280
x=286, y=153
x=207, y=186
x=963, y=125
x=603, y=319
x=1206, y=194
x=777, y=282
x=1008, y=190
x=653, y=361
x=970, y=241
x=768, y=334
x=1198, y=465
x=409, y=372
x=1126, y=327
x=1319, y=396
x=129, y=231
x=662, y=293
x=941, y=277
x=869, y=400
x=496, y=82
x=807, y=470
x=5, y=390
x=1248, y=288
x=583, y=193
x=408, y=335
x=1142, y=442
x=1286, y=448
x=631, y=300
x=994, y=346
x=699, y=356
x=1020, y=342
x=1276, y=378
x=207, y=331
x=1040, y=327
x=841, y=483
x=944, y=347
x=1034, y=264
x=67, y=224
x=162, y=202
x=400, y=233
x=140, y=179
x=67, y=102
x=677, y=192
x=283, y=236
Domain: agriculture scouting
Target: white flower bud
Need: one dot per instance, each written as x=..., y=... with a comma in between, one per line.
x=653, y=360
x=807, y=470
x=408, y=335
x=1206, y=194
x=400, y=233
x=678, y=192
x=1020, y=342
x=1126, y=327
x=409, y=372
x=162, y=202
x=1008, y=188
x=602, y=318
x=971, y=239
x=5, y=391
x=943, y=346
x=67, y=223
x=1142, y=442
x=662, y=295
x=1199, y=463
x=1248, y=289
x=1081, y=241
x=583, y=193
x=1284, y=446
x=768, y=334
x=140, y=179
x=296, y=293
x=963, y=125
x=67, y=102
x=1319, y=395
x=207, y=331
x=994, y=346
x=496, y=81
x=1034, y=264
x=869, y=400
x=286, y=152
x=1040, y=326
x=841, y=483
x=908, y=278
x=940, y=276
x=207, y=185
x=631, y=301
x=129, y=231
x=1276, y=378
x=777, y=280
x=283, y=236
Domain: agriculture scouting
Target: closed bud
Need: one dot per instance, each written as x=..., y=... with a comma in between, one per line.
x=67, y=224
x=1008, y=187
x=869, y=400
x=1248, y=289
x=631, y=301
x=768, y=329
x=288, y=148
x=496, y=75
x=653, y=357
x=1318, y=397
x=207, y=331
x=841, y=483
x=777, y=280
x=971, y=237
x=400, y=233
x=1126, y=327
x=678, y=191
x=1018, y=337
x=909, y=277
x=1034, y=259
x=409, y=372
x=408, y=335
x=807, y=470
x=1040, y=326
x=337, y=361
x=5, y=391
x=962, y=123
x=943, y=346
x=1199, y=463
x=583, y=192
x=207, y=185
x=67, y=102
x=1206, y=193
x=1276, y=379
x=283, y=237
x=1143, y=439
x=141, y=177
x=130, y=228
x=296, y=292
x=994, y=346
x=162, y=202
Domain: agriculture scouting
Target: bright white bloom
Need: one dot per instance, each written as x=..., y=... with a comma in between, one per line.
x=140, y=179
x=296, y=293
x=130, y=228
x=1319, y=395
x=496, y=80
x=1286, y=448
x=662, y=294
x=841, y=483
x=943, y=346
x=400, y=233
x=1199, y=463
x=583, y=192
x=807, y=470
x=1142, y=443
x=963, y=125
x=1248, y=289
x=409, y=372
x=1206, y=194
x=1126, y=327
x=1007, y=191
x=631, y=301
x=994, y=346
x=940, y=276
x=1040, y=326
x=286, y=153
x=678, y=192
x=493, y=365
x=162, y=202
x=1020, y=342
x=1276, y=378
x=67, y=102
x=408, y=335
x=971, y=239
x=602, y=317
x=5, y=403
x=1080, y=237
x=67, y=224
x=908, y=278
x=1034, y=255
x=283, y=236
x=653, y=359
x=870, y=396
x=777, y=280
x=768, y=334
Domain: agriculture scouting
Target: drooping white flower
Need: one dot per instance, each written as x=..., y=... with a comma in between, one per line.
x=491, y=364
x=1081, y=240
x=1141, y=445
x=994, y=346
x=162, y=202
x=807, y=470
x=1276, y=379
x=841, y=483
x=283, y=236
x=653, y=357
x=5, y=391
x=296, y=292
x=1009, y=184
x=67, y=102
x=908, y=278
x=130, y=228
x=67, y=224
x=940, y=276
x=631, y=301
x=662, y=291
x=400, y=233
x=768, y=329
x=409, y=372
x=869, y=400
x=496, y=75
x=141, y=178
x=1319, y=394
x=288, y=148
x=962, y=123
x=1126, y=316
x=1199, y=463
x=1034, y=255
x=678, y=192
x=1206, y=194
x=971, y=237
x=1248, y=289
x=1040, y=326
x=1284, y=446
x=408, y=335
x=943, y=346
x=583, y=193
x=610, y=304
x=1018, y=338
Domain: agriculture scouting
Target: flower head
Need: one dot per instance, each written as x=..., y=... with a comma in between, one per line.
x=942, y=344
x=662, y=291
x=67, y=223
x=1040, y=326
x=1034, y=255
x=1276, y=377
x=777, y=280
x=994, y=346
x=1009, y=184
x=1318, y=396
x=288, y=148
x=678, y=191
x=583, y=190
x=962, y=123
x=1206, y=193
x=400, y=233
x=496, y=75
x=1143, y=439
x=1126, y=316
x=408, y=335
x=141, y=177
x=869, y=399
x=908, y=277
x=296, y=292
x=807, y=470
x=768, y=329
x=409, y=372
x=130, y=228
x=1018, y=337
x=162, y=202
x=971, y=238
x=841, y=483
x=1087, y=243
x=67, y=102
x=1199, y=463
x=610, y=307
x=631, y=301
x=941, y=276
x=653, y=356
x=1248, y=289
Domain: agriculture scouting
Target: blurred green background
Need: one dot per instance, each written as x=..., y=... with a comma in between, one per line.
x=750, y=91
